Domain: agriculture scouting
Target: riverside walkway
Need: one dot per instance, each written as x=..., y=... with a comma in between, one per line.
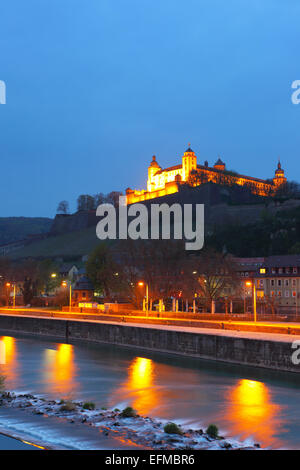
x=261, y=329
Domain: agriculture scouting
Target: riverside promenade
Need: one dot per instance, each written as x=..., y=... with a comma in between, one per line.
x=164, y=318
x=267, y=344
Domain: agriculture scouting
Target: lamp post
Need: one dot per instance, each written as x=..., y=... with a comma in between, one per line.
x=14, y=297
x=65, y=284
x=142, y=283
x=8, y=292
x=252, y=283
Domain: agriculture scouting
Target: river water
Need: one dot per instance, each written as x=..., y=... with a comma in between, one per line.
x=243, y=402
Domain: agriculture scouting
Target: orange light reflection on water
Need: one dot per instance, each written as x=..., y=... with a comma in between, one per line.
x=9, y=368
x=60, y=371
x=251, y=412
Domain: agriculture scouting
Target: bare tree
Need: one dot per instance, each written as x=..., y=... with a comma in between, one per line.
x=85, y=202
x=216, y=277
x=63, y=207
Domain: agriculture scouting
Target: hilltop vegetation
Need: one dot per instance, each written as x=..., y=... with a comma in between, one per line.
x=17, y=228
x=273, y=234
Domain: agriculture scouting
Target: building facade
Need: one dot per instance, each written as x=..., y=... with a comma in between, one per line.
x=278, y=283
x=166, y=181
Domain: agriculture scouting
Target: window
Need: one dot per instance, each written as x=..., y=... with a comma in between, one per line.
x=280, y=270
x=294, y=293
x=83, y=295
x=287, y=270
x=287, y=294
x=294, y=282
x=295, y=270
x=261, y=283
x=286, y=282
x=279, y=293
x=272, y=293
x=273, y=271
x=279, y=282
x=272, y=282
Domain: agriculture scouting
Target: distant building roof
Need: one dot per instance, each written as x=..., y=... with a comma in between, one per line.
x=65, y=268
x=84, y=284
x=282, y=261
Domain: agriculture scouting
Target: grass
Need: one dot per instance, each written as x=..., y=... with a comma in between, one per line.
x=212, y=431
x=172, y=428
x=68, y=406
x=128, y=413
x=89, y=405
x=76, y=243
x=2, y=383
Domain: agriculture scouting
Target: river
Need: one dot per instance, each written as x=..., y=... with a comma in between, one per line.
x=244, y=402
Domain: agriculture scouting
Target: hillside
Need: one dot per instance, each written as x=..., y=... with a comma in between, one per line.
x=17, y=228
x=69, y=245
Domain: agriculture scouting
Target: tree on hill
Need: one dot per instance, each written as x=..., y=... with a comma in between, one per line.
x=290, y=189
x=63, y=207
x=113, y=198
x=85, y=202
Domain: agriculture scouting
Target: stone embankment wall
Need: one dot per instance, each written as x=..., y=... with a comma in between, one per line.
x=273, y=354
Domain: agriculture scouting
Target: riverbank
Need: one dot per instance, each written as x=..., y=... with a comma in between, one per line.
x=113, y=430
x=267, y=350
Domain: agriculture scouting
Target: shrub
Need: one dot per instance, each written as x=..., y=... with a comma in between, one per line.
x=172, y=428
x=212, y=431
x=89, y=405
x=128, y=412
x=68, y=406
x=2, y=380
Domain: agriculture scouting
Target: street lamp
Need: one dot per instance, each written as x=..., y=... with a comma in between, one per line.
x=65, y=284
x=252, y=283
x=141, y=283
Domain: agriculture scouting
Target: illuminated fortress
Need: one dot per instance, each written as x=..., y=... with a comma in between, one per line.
x=167, y=181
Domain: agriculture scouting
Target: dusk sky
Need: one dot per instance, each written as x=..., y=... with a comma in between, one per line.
x=96, y=87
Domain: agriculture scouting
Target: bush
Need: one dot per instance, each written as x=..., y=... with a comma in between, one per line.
x=2, y=381
x=172, y=428
x=89, y=405
x=128, y=412
x=212, y=431
x=68, y=406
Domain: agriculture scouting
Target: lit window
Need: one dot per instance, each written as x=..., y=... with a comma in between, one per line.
x=279, y=293
x=262, y=270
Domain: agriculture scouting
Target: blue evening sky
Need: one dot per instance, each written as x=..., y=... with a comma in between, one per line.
x=96, y=87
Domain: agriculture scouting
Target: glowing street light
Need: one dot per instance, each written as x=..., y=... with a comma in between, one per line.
x=65, y=284
x=8, y=285
x=249, y=284
x=141, y=284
